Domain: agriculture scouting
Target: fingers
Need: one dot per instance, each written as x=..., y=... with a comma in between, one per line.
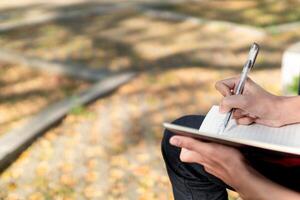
x=204, y=148
x=218, y=160
x=245, y=120
x=191, y=144
x=234, y=101
x=238, y=113
x=225, y=87
x=190, y=156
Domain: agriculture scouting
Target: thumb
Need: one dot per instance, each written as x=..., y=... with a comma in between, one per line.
x=184, y=142
x=233, y=101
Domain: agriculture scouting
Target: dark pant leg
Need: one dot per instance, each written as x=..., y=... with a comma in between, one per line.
x=190, y=181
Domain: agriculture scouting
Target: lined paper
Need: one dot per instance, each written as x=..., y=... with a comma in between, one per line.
x=285, y=136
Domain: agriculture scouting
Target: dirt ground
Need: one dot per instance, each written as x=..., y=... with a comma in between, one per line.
x=111, y=148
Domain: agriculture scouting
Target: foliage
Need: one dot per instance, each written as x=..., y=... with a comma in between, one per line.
x=294, y=86
x=79, y=110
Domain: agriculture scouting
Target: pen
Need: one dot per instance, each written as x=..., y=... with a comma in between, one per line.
x=246, y=69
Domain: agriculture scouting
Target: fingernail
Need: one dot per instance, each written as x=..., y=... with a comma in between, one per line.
x=174, y=141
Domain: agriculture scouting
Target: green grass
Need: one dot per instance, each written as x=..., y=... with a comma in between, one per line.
x=79, y=110
x=293, y=88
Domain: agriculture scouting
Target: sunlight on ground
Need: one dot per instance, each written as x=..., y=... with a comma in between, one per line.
x=111, y=148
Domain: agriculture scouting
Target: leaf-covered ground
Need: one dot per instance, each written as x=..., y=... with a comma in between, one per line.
x=127, y=39
x=24, y=92
x=111, y=148
x=261, y=13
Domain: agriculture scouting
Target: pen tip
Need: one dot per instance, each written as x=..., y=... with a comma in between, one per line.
x=255, y=45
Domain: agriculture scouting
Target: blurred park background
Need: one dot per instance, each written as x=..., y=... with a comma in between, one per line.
x=51, y=51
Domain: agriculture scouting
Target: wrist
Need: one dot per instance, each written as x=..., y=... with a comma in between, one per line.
x=246, y=182
x=255, y=186
x=248, y=187
x=264, y=189
x=287, y=109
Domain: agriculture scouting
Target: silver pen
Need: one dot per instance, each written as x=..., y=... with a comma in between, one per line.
x=246, y=69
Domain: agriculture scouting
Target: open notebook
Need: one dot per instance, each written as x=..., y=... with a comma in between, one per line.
x=282, y=141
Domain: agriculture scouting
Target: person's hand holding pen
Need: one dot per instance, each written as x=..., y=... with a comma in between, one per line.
x=257, y=105
x=247, y=103
x=253, y=105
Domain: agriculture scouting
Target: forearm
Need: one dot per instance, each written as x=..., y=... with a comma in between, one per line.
x=255, y=186
x=264, y=189
x=289, y=109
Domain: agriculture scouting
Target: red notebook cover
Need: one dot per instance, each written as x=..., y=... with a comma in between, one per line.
x=286, y=162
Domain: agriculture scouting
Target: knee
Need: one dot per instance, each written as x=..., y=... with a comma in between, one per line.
x=172, y=152
x=171, y=155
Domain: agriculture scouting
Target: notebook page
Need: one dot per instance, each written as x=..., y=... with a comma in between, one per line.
x=284, y=136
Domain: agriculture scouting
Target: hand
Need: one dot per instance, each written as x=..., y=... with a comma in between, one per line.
x=223, y=162
x=254, y=105
x=229, y=165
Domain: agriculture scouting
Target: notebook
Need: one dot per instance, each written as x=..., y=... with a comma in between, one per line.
x=254, y=138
